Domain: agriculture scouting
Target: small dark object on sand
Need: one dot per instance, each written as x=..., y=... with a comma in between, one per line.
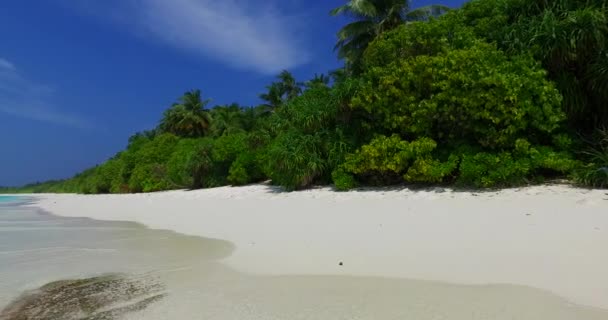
x=341, y=264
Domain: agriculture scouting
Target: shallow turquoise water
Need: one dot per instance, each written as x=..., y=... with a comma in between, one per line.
x=4, y=199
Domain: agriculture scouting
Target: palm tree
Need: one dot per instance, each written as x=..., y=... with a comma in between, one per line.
x=319, y=80
x=279, y=92
x=372, y=18
x=188, y=117
x=227, y=119
x=289, y=86
x=273, y=98
x=338, y=75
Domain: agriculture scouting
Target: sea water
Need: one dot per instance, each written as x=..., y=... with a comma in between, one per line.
x=7, y=199
x=119, y=267
x=54, y=268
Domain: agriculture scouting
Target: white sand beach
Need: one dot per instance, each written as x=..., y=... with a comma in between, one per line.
x=552, y=238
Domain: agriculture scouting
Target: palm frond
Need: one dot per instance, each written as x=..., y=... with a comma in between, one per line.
x=357, y=28
x=426, y=12
x=356, y=8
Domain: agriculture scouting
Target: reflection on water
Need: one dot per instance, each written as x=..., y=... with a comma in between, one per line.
x=130, y=272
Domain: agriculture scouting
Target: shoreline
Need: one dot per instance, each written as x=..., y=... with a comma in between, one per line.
x=546, y=237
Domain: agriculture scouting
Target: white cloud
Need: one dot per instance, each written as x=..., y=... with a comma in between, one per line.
x=23, y=98
x=5, y=64
x=245, y=34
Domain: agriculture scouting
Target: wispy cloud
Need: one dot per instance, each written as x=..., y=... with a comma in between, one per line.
x=23, y=98
x=7, y=65
x=253, y=35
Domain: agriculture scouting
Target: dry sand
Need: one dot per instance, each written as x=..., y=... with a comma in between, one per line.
x=552, y=238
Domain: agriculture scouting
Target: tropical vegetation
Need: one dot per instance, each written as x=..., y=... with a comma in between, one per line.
x=496, y=93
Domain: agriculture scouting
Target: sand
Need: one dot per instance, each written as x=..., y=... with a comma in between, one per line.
x=552, y=238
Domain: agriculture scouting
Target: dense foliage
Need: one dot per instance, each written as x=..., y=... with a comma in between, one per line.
x=496, y=93
x=595, y=171
x=569, y=37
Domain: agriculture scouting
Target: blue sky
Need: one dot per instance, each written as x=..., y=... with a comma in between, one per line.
x=78, y=77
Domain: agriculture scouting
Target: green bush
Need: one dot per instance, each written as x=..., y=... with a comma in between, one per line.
x=592, y=175
x=244, y=170
x=476, y=95
x=418, y=38
x=295, y=160
x=308, y=141
x=595, y=172
x=150, y=172
x=201, y=165
x=521, y=165
x=311, y=112
x=235, y=157
x=179, y=165
x=343, y=180
x=228, y=147
x=149, y=177
x=387, y=160
x=427, y=170
x=569, y=38
x=105, y=176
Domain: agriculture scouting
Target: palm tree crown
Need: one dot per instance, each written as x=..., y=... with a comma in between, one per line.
x=188, y=117
x=281, y=91
x=373, y=17
x=319, y=80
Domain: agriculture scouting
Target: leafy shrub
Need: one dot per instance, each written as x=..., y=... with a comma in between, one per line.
x=595, y=172
x=308, y=142
x=149, y=177
x=427, y=170
x=419, y=38
x=295, y=160
x=105, y=176
x=392, y=160
x=525, y=162
x=244, y=169
x=569, y=38
x=477, y=95
x=150, y=172
x=179, y=165
x=592, y=175
x=227, y=148
x=235, y=159
x=231, y=119
x=201, y=165
x=315, y=110
x=388, y=160
x=343, y=180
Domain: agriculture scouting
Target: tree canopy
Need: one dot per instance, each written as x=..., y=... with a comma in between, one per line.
x=188, y=117
x=372, y=18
